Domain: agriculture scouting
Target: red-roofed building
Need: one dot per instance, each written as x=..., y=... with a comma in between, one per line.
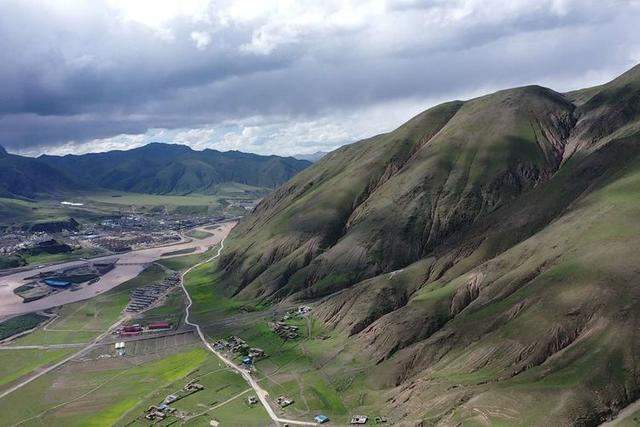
x=159, y=325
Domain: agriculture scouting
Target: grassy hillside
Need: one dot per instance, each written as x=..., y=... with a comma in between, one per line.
x=483, y=256
x=24, y=177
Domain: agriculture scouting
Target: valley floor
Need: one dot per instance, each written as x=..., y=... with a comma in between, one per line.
x=128, y=266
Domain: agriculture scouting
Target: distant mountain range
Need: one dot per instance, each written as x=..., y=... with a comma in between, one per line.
x=478, y=265
x=155, y=168
x=313, y=157
x=27, y=177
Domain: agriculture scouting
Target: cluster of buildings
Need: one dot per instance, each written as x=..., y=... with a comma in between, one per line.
x=286, y=331
x=118, y=233
x=240, y=347
x=163, y=221
x=20, y=241
x=123, y=242
x=146, y=296
x=164, y=410
x=132, y=232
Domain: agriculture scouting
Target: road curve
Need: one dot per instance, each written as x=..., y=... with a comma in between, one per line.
x=260, y=392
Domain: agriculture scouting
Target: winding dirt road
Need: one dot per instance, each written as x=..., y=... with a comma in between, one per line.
x=260, y=392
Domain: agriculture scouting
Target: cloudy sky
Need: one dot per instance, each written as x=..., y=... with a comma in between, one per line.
x=281, y=77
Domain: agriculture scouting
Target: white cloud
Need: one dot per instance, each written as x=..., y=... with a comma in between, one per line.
x=157, y=14
x=282, y=76
x=196, y=138
x=201, y=38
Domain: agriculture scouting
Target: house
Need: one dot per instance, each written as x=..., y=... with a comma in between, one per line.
x=283, y=401
x=119, y=346
x=252, y=400
x=256, y=352
x=321, y=419
x=132, y=328
x=247, y=360
x=193, y=387
x=304, y=309
x=170, y=399
x=159, y=325
x=359, y=419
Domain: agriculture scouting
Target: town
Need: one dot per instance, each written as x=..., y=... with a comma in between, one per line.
x=61, y=240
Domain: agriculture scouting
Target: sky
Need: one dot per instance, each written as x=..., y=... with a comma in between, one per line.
x=282, y=77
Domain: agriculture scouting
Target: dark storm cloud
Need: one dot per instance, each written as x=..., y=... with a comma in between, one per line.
x=84, y=70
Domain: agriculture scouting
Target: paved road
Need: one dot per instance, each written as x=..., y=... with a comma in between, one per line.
x=129, y=265
x=260, y=392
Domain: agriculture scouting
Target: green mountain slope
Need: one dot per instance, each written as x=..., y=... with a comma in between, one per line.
x=484, y=256
x=175, y=169
x=26, y=177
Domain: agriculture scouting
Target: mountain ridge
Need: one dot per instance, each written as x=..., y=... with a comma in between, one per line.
x=156, y=168
x=488, y=238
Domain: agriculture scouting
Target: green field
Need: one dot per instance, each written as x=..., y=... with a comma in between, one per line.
x=45, y=258
x=97, y=206
x=198, y=234
x=15, y=364
x=224, y=398
x=99, y=392
x=181, y=263
x=13, y=211
x=116, y=392
x=208, y=301
x=95, y=393
x=18, y=324
x=179, y=252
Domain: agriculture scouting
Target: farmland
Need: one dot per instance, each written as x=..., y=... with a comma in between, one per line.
x=77, y=323
x=96, y=392
x=96, y=387
x=20, y=324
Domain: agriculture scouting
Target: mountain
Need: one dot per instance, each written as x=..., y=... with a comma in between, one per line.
x=313, y=157
x=480, y=262
x=159, y=168
x=24, y=177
